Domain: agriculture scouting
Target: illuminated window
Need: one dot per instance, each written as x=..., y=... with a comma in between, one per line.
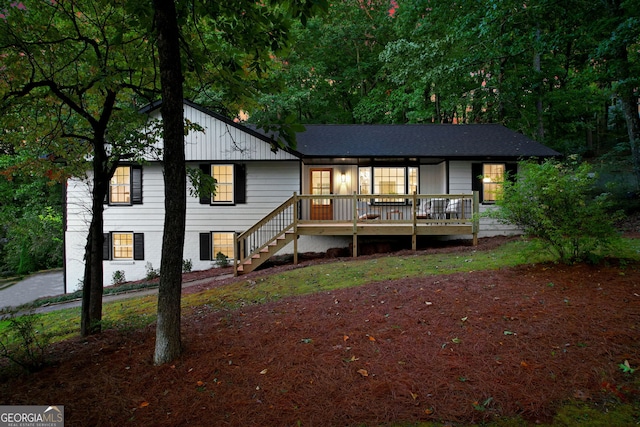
x=388, y=180
x=122, y=245
x=120, y=186
x=492, y=181
x=222, y=243
x=223, y=174
x=125, y=187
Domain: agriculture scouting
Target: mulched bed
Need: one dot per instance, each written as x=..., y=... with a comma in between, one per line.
x=460, y=348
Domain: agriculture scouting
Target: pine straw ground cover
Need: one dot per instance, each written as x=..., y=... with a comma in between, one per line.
x=456, y=349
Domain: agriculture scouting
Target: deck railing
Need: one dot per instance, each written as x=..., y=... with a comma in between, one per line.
x=400, y=208
x=358, y=209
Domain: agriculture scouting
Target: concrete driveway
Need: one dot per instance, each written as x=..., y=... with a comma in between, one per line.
x=36, y=286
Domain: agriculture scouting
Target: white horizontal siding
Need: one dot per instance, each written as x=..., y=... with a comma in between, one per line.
x=268, y=184
x=460, y=179
x=460, y=182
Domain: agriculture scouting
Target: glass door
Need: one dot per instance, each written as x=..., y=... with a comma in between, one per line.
x=321, y=183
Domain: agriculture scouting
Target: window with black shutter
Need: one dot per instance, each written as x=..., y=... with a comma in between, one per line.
x=120, y=245
x=231, y=183
x=125, y=187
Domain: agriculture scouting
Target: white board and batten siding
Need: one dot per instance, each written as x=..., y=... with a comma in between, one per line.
x=223, y=140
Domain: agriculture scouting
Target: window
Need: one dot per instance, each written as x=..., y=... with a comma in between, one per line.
x=488, y=179
x=123, y=245
x=216, y=242
x=120, y=186
x=223, y=174
x=492, y=178
x=388, y=180
x=125, y=187
x=230, y=184
x=223, y=243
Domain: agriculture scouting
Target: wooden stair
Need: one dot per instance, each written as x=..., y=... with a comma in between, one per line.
x=261, y=256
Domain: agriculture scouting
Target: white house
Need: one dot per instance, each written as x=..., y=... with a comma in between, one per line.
x=399, y=174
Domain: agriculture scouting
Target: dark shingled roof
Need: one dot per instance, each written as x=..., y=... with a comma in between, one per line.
x=415, y=140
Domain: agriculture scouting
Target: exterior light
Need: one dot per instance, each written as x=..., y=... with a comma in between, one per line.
x=343, y=178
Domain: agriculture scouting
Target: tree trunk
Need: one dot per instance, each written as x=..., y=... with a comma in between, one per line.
x=168, y=340
x=92, y=289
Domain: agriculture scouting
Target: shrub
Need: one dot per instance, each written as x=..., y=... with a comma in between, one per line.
x=187, y=265
x=152, y=273
x=23, y=343
x=222, y=260
x=555, y=202
x=118, y=277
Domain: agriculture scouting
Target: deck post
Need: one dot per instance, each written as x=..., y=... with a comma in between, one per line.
x=235, y=254
x=354, y=244
x=295, y=228
x=476, y=216
x=414, y=214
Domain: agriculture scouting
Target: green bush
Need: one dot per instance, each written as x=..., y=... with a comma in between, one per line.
x=555, y=202
x=24, y=342
x=118, y=277
x=222, y=260
x=187, y=265
x=152, y=273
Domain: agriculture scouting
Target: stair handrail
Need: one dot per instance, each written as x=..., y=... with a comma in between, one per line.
x=274, y=224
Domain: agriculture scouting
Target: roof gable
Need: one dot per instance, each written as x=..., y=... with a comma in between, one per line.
x=222, y=138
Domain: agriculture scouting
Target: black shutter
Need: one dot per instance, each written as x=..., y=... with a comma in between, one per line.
x=205, y=246
x=138, y=246
x=205, y=199
x=240, y=184
x=512, y=170
x=106, y=247
x=476, y=178
x=136, y=185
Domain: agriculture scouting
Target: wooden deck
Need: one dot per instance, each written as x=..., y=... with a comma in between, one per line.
x=356, y=215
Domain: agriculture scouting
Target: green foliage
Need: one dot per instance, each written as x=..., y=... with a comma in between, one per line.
x=554, y=202
x=626, y=367
x=118, y=277
x=24, y=342
x=187, y=265
x=222, y=260
x=152, y=273
x=30, y=220
x=201, y=183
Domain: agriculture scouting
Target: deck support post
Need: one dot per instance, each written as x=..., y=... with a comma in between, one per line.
x=414, y=214
x=236, y=251
x=354, y=244
x=476, y=216
x=295, y=228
